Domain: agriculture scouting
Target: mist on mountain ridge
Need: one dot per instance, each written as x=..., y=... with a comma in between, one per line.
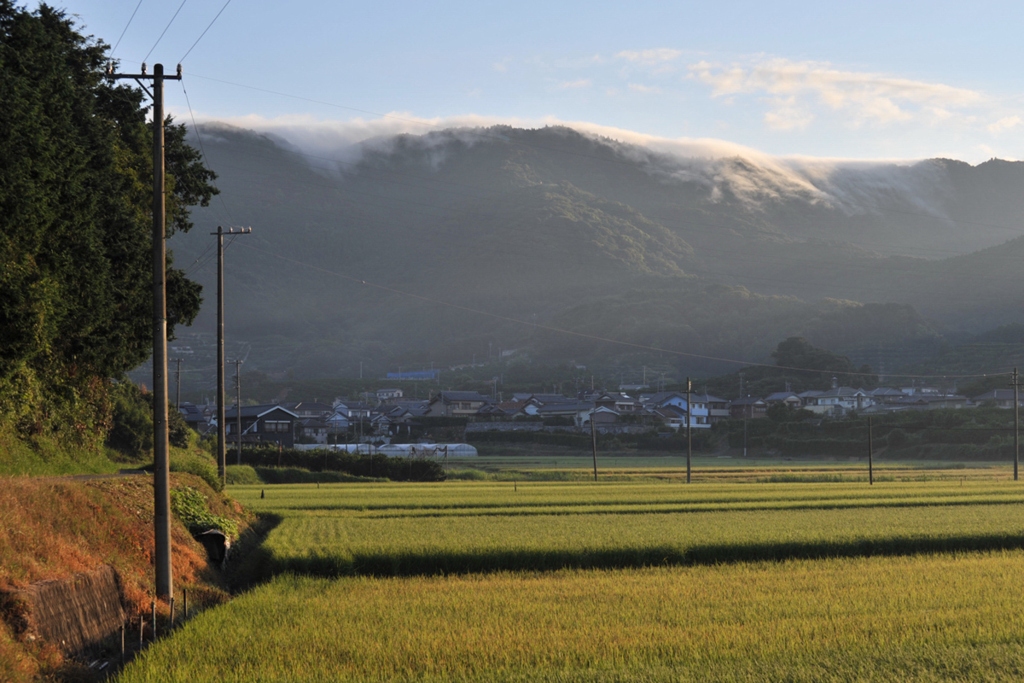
x=533, y=224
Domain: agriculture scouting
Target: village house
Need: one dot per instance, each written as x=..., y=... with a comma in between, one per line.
x=266, y=423
x=389, y=395
x=456, y=404
x=786, y=398
x=748, y=408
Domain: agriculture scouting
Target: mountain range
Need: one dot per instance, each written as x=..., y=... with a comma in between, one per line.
x=552, y=246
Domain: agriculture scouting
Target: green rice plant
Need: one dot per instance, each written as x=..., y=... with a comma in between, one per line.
x=923, y=618
x=460, y=527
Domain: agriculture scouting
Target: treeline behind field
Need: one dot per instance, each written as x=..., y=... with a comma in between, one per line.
x=376, y=465
x=984, y=434
x=968, y=435
x=703, y=440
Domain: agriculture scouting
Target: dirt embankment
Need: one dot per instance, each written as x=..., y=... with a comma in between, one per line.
x=87, y=546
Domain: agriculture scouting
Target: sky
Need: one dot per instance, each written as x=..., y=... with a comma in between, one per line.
x=857, y=80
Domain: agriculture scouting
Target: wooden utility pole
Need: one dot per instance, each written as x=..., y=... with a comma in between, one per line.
x=871, y=469
x=238, y=406
x=177, y=382
x=689, y=428
x=1016, y=423
x=222, y=459
x=593, y=437
x=161, y=465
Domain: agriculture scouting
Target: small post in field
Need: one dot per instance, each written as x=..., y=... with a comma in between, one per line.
x=122, y=643
x=871, y=471
x=172, y=613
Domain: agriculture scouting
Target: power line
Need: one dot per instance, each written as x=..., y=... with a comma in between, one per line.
x=125, y=29
x=202, y=148
x=164, y=31
x=204, y=31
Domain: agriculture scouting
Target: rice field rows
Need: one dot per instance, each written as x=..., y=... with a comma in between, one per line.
x=919, y=618
x=620, y=581
x=424, y=529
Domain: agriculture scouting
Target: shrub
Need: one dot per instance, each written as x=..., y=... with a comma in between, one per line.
x=191, y=508
x=242, y=474
x=131, y=433
x=897, y=438
x=199, y=466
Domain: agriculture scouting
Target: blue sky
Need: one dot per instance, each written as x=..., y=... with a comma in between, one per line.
x=865, y=80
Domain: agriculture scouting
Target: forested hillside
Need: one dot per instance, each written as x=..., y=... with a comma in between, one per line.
x=448, y=246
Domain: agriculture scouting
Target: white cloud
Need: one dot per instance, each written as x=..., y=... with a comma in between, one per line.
x=650, y=57
x=646, y=89
x=1005, y=123
x=716, y=165
x=787, y=114
x=863, y=97
x=575, y=85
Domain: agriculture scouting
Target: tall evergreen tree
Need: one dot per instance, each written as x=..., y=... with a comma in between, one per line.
x=75, y=224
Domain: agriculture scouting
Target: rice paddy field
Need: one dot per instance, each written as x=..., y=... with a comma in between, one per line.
x=755, y=577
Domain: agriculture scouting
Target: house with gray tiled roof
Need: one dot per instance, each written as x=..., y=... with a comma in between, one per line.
x=456, y=404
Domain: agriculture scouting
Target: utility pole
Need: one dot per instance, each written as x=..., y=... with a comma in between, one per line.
x=1016, y=422
x=871, y=454
x=593, y=438
x=222, y=459
x=161, y=465
x=689, y=428
x=177, y=381
x=238, y=406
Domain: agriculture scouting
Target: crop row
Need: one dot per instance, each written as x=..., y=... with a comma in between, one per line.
x=937, y=617
x=513, y=498
x=332, y=544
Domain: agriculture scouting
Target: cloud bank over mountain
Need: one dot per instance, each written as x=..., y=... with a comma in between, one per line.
x=718, y=165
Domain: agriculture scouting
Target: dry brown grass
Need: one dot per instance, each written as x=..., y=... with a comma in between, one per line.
x=52, y=528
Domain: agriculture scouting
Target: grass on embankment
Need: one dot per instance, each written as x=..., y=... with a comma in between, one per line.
x=53, y=528
x=922, y=618
x=45, y=456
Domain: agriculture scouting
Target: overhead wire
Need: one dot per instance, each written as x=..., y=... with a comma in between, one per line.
x=204, y=31
x=202, y=150
x=125, y=30
x=144, y=59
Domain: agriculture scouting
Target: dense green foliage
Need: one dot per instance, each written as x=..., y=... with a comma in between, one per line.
x=799, y=366
x=191, y=508
x=75, y=226
x=702, y=440
x=950, y=434
x=359, y=465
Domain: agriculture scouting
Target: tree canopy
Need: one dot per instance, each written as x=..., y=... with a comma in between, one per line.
x=75, y=223
x=799, y=365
